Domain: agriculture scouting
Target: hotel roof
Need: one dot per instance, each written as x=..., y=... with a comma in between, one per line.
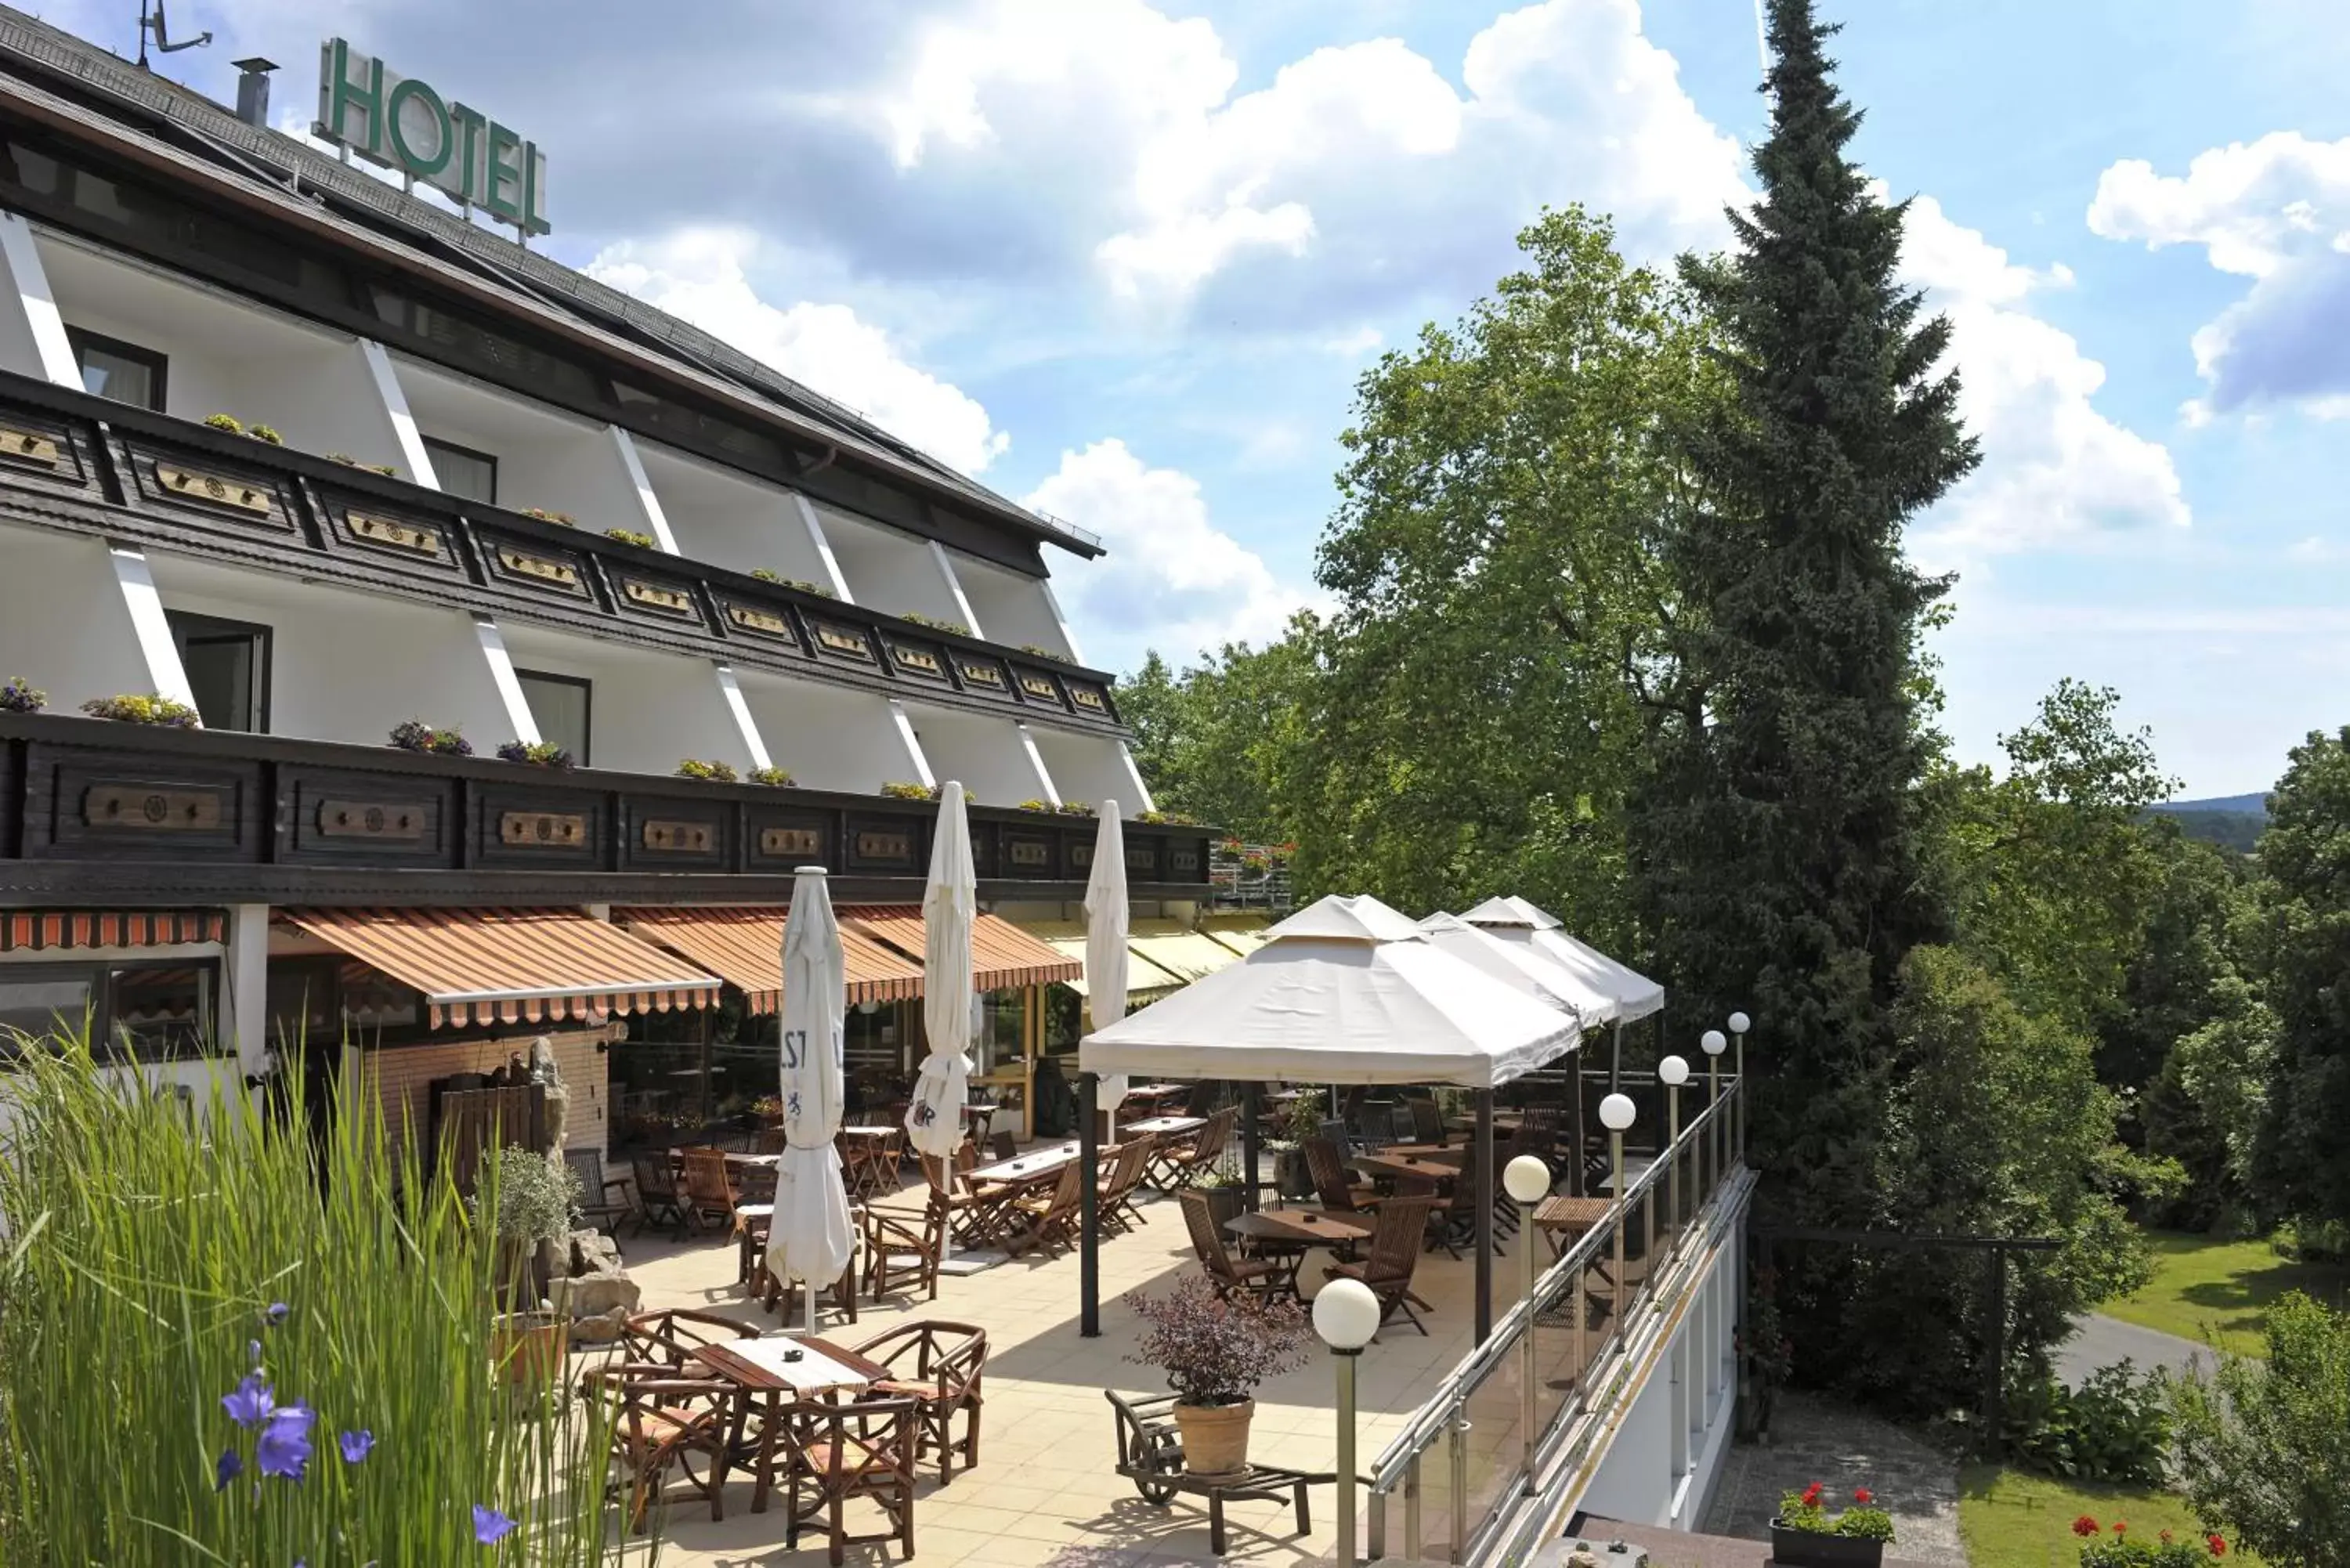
x=181, y=134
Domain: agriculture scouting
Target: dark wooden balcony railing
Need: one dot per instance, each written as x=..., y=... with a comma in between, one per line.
x=93, y=810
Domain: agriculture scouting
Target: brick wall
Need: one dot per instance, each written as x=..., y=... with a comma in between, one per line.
x=403, y=1076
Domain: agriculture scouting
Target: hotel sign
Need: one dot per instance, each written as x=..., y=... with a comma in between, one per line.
x=400, y=123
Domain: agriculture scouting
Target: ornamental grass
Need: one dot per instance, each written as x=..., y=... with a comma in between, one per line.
x=228, y=1339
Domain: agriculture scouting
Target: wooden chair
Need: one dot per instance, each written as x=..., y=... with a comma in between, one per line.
x=709, y=1193
x=940, y=1365
x=1001, y=1145
x=595, y=1203
x=1115, y=1192
x=769, y=1141
x=972, y=1215
x=1260, y=1279
x=1395, y=1253
x=1337, y=1192
x=1176, y=1164
x=1455, y=1222
x=1427, y=1122
x=1045, y=1220
x=864, y=1449
x=670, y=1337
x=903, y=1244
x=658, y=1194
x=664, y=1419
x=751, y=1233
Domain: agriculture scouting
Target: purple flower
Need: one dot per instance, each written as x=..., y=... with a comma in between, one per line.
x=490, y=1526
x=253, y=1346
x=227, y=1469
x=275, y=1314
x=249, y=1404
x=284, y=1448
x=355, y=1445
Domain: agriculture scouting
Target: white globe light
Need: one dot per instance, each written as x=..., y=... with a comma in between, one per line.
x=1740, y=1024
x=1616, y=1112
x=1673, y=1071
x=1715, y=1043
x=1526, y=1179
x=1345, y=1314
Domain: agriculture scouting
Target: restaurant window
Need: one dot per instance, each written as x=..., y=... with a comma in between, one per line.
x=227, y=664
x=37, y=1002
x=1002, y=1027
x=562, y=706
x=156, y=1012
x=122, y=371
x=463, y=473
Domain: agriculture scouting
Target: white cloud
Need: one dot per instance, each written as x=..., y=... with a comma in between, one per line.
x=2054, y=470
x=2276, y=211
x=1171, y=579
x=700, y=275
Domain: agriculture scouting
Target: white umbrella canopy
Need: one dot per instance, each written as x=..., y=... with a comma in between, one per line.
x=1107, y=919
x=949, y=909
x=1520, y=967
x=811, y=1237
x=1516, y=920
x=1347, y=990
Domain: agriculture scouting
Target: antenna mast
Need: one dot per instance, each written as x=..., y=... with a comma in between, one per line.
x=151, y=20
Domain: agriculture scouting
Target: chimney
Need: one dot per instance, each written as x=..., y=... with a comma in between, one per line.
x=253, y=91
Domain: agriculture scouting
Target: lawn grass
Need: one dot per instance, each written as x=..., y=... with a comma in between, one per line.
x=2010, y=1517
x=2203, y=1288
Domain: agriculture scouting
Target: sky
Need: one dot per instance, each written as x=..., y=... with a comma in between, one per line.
x=1126, y=262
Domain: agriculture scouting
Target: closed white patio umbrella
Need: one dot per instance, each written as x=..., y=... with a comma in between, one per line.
x=811, y=1237
x=1107, y=920
x=950, y=908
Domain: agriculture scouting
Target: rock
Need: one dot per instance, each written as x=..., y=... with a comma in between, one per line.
x=593, y=1295
x=600, y=1329
x=593, y=1253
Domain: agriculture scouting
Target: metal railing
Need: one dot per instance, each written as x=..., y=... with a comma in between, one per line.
x=1519, y=1410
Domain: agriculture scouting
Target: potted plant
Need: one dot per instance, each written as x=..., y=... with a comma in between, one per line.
x=416, y=736
x=630, y=536
x=711, y=772
x=1214, y=1354
x=536, y=754
x=536, y=1200
x=151, y=708
x=1806, y=1534
x=16, y=697
x=1299, y=1120
x=778, y=778
x=1226, y=1197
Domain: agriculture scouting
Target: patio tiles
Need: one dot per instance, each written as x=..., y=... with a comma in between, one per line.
x=1046, y=1490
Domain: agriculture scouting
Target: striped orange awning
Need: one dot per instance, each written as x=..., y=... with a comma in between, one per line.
x=746, y=947
x=1002, y=954
x=513, y=966
x=37, y=930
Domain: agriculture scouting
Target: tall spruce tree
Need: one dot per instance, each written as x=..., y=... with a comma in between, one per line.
x=1776, y=837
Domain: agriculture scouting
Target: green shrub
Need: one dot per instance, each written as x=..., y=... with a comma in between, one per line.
x=716, y=772
x=630, y=536
x=228, y=422
x=163, y=1256
x=2127, y=1551
x=2114, y=1427
x=900, y=789
x=264, y=432
x=2264, y=1445
x=778, y=777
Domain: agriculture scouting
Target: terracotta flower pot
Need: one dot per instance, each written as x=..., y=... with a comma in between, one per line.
x=1215, y=1437
x=530, y=1346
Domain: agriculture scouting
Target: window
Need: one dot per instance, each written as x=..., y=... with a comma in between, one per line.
x=154, y=1013
x=560, y=705
x=113, y=368
x=463, y=473
x=42, y=1002
x=134, y=1011
x=227, y=663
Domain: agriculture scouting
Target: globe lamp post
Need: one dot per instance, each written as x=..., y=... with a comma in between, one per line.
x=1345, y=1314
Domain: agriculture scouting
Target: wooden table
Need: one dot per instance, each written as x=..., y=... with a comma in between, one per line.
x=1303, y=1227
x=1565, y=1217
x=1503, y=1121
x=1453, y=1155
x=779, y=1369
x=1403, y=1168
x=1166, y=1126
x=1037, y=1165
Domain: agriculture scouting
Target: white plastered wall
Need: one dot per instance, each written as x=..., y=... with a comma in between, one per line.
x=1012, y=606
x=648, y=710
x=826, y=737
x=65, y=625
x=226, y=356
x=554, y=461
x=1088, y=768
x=728, y=520
x=887, y=570
x=986, y=753
x=348, y=666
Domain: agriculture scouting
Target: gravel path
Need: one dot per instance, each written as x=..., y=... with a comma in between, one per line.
x=1812, y=1441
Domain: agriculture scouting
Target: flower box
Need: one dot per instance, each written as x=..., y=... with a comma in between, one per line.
x=1815, y=1548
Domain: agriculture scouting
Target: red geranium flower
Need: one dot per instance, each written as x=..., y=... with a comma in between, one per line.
x=1863, y=1496
x=1812, y=1495
x=2165, y=1538
x=2218, y=1547
x=2121, y=1527
x=2084, y=1526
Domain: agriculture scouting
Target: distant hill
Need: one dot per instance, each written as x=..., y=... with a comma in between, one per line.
x=2231, y=821
x=2232, y=805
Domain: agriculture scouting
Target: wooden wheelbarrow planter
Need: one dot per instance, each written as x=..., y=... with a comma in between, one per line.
x=1150, y=1455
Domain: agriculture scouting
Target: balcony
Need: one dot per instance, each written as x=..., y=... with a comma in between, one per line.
x=92, y=810
x=73, y=462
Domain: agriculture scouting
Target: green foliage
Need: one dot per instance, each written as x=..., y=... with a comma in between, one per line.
x=150, y=708
x=900, y=789
x=2264, y=1447
x=2238, y=832
x=778, y=777
x=2124, y=1550
x=560, y=519
x=532, y=1198
x=2206, y=1110
x=228, y=422
x=2114, y=1427
x=1807, y=1511
x=2301, y=1163
x=1220, y=741
x=1997, y=1129
x=535, y=753
x=19, y=696
x=150, y=1244
x=713, y=772
x=416, y=736
x=935, y=624
x=2219, y=1289
x=1040, y=652
x=630, y=536
x=264, y=432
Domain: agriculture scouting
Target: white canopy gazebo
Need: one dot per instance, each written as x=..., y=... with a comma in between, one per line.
x=1635, y=994
x=1347, y=990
